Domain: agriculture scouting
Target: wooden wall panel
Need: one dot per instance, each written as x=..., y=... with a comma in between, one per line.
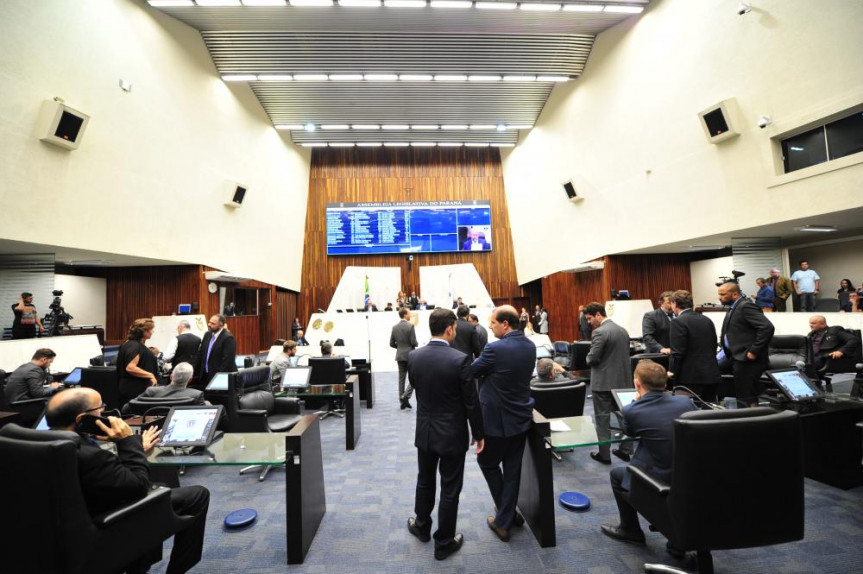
x=403, y=174
x=286, y=310
x=646, y=276
x=562, y=293
x=246, y=331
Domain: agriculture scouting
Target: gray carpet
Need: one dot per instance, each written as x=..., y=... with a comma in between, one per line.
x=370, y=496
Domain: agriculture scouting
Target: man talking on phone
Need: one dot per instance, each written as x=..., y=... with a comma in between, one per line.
x=110, y=480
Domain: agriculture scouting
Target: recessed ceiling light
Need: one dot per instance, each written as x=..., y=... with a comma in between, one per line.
x=312, y=3
x=817, y=228
x=360, y=3
x=624, y=9
x=290, y=127
x=381, y=77
x=501, y=127
x=366, y=126
x=239, y=77
x=450, y=78
x=496, y=5
x=531, y=7
x=275, y=78
x=334, y=127
x=582, y=7
x=416, y=77
x=309, y=127
x=346, y=77
x=310, y=77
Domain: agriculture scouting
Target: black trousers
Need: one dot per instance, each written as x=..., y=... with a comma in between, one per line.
x=403, y=374
x=503, y=484
x=451, y=480
x=706, y=392
x=747, y=379
x=628, y=515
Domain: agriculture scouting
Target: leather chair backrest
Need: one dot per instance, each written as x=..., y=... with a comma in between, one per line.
x=737, y=480
x=561, y=348
x=327, y=371
x=140, y=405
x=784, y=351
x=556, y=402
x=578, y=355
x=252, y=377
x=47, y=527
x=655, y=357
x=258, y=399
x=104, y=380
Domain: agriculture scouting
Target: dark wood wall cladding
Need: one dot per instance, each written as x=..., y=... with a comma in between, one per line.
x=246, y=331
x=645, y=276
x=286, y=310
x=403, y=174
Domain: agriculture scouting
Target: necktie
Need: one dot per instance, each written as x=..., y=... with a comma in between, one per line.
x=207, y=360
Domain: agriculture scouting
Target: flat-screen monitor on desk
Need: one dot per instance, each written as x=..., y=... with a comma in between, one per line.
x=795, y=385
x=190, y=426
x=73, y=378
x=184, y=309
x=240, y=360
x=623, y=397
x=219, y=382
x=296, y=378
x=327, y=370
x=543, y=353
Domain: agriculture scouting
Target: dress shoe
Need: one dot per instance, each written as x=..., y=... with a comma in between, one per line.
x=624, y=456
x=451, y=548
x=619, y=534
x=518, y=519
x=424, y=534
x=500, y=532
x=674, y=552
x=598, y=458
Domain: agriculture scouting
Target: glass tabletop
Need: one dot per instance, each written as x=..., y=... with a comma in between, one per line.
x=581, y=433
x=316, y=391
x=241, y=449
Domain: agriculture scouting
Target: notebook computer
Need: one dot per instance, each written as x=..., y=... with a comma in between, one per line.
x=795, y=385
x=623, y=397
x=296, y=378
x=190, y=426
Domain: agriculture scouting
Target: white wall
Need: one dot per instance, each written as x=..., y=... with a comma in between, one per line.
x=148, y=178
x=628, y=135
x=85, y=298
x=705, y=275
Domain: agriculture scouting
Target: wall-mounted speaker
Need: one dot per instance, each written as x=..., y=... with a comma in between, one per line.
x=61, y=125
x=236, y=193
x=570, y=191
x=719, y=121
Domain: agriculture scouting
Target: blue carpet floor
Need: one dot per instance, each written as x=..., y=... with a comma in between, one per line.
x=370, y=496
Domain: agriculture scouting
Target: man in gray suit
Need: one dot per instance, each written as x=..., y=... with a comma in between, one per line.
x=404, y=340
x=180, y=377
x=610, y=368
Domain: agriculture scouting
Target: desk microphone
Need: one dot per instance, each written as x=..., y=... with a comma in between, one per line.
x=801, y=366
x=694, y=395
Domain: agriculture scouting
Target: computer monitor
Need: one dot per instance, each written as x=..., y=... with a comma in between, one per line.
x=623, y=397
x=795, y=385
x=42, y=423
x=190, y=426
x=240, y=361
x=543, y=353
x=327, y=370
x=219, y=382
x=184, y=309
x=73, y=378
x=296, y=378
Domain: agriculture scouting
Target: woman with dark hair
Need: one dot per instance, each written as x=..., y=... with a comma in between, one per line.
x=137, y=367
x=846, y=287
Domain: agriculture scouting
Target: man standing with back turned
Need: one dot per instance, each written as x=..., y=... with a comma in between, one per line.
x=504, y=394
x=446, y=399
x=404, y=340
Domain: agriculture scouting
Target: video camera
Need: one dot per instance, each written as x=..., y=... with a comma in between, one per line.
x=56, y=304
x=736, y=275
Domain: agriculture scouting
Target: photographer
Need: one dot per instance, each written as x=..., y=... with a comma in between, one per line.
x=26, y=317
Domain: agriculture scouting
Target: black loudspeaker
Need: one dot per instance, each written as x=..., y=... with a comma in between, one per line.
x=236, y=194
x=719, y=121
x=570, y=191
x=195, y=307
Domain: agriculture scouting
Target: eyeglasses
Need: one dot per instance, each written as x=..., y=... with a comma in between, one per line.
x=100, y=407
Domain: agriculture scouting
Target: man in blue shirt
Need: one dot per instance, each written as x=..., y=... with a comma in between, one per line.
x=807, y=284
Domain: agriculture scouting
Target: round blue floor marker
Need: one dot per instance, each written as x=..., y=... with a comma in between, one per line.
x=574, y=501
x=240, y=518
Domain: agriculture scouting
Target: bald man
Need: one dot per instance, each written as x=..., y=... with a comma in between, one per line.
x=110, y=480
x=505, y=367
x=830, y=342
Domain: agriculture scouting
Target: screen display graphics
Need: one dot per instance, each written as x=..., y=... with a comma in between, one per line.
x=408, y=227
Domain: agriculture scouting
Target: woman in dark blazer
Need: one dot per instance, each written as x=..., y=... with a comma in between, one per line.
x=137, y=367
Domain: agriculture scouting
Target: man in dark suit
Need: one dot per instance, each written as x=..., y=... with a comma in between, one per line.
x=504, y=394
x=458, y=303
x=109, y=480
x=656, y=324
x=693, y=349
x=413, y=300
x=584, y=328
x=370, y=306
x=184, y=346
x=651, y=418
x=746, y=332
x=481, y=333
x=475, y=241
x=180, y=377
x=466, y=336
x=446, y=400
x=610, y=368
x=301, y=339
x=831, y=342
x=218, y=352
x=404, y=340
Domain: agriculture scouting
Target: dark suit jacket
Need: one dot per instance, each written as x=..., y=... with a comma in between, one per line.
x=403, y=339
x=608, y=358
x=467, y=339
x=651, y=418
x=109, y=480
x=654, y=330
x=583, y=328
x=747, y=330
x=414, y=302
x=175, y=392
x=482, y=334
x=222, y=357
x=187, y=349
x=466, y=245
x=507, y=365
x=837, y=339
x=693, y=350
x=446, y=398
x=301, y=342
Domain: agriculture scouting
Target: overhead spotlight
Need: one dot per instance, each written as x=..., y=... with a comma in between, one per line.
x=744, y=8
x=764, y=121
x=309, y=127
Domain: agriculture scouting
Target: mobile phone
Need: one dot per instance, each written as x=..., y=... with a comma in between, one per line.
x=88, y=425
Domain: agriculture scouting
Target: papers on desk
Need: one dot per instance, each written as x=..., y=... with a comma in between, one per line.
x=559, y=426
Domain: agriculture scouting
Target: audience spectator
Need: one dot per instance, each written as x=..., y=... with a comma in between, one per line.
x=856, y=300
x=846, y=287
x=543, y=322
x=389, y=307
x=807, y=284
x=26, y=318
x=584, y=328
x=523, y=319
x=414, y=301
x=764, y=297
x=327, y=351
x=782, y=290
x=295, y=328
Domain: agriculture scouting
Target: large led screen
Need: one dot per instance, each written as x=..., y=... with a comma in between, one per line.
x=408, y=227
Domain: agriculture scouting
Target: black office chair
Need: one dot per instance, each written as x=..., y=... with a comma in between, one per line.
x=737, y=482
x=785, y=351
x=257, y=409
x=156, y=406
x=845, y=364
x=561, y=353
x=47, y=528
x=28, y=410
x=328, y=371
x=578, y=355
x=827, y=305
x=566, y=400
x=104, y=380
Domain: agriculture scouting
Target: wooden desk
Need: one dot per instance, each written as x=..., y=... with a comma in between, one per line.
x=8, y=417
